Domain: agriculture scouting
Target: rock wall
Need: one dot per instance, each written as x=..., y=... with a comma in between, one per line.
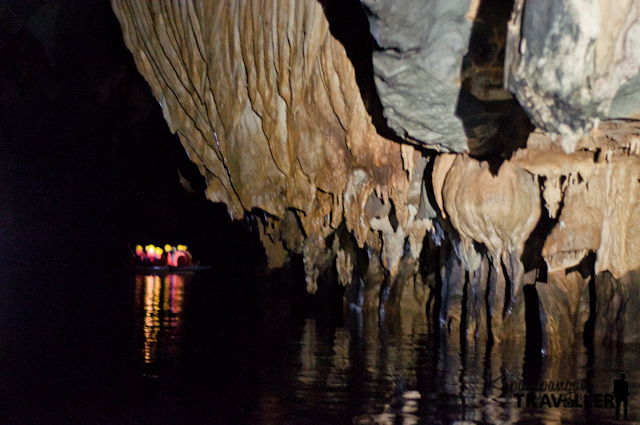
x=418, y=65
x=567, y=60
x=593, y=194
x=266, y=102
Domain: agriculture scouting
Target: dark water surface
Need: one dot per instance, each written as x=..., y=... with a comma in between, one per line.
x=116, y=348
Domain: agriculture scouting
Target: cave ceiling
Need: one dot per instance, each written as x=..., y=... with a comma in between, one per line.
x=509, y=129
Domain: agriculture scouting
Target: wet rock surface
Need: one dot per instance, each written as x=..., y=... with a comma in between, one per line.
x=511, y=232
x=566, y=61
x=418, y=64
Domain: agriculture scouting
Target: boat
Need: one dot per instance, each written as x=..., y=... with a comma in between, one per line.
x=162, y=270
x=170, y=260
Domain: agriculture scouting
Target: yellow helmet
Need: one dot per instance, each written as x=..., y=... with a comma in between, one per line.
x=181, y=248
x=168, y=248
x=150, y=248
x=138, y=248
x=159, y=251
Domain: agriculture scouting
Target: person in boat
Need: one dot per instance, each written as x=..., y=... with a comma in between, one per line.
x=188, y=261
x=169, y=252
x=150, y=251
x=171, y=256
x=139, y=257
x=172, y=259
x=181, y=257
x=161, y=259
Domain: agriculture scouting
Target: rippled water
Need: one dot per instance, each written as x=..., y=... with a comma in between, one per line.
x=126, y=349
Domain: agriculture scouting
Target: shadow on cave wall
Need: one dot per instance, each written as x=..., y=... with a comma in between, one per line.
x=349, y=25
x=494, y=122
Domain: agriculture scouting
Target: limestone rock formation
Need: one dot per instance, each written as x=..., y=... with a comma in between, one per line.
x=266, y=101
x=594, y=195
x=498, y=211
x=567, y=60
x=418, y=66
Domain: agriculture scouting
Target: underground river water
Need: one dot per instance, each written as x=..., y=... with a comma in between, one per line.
x=120, y=348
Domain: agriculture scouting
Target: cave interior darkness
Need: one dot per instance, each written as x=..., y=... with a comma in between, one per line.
x=89, y=166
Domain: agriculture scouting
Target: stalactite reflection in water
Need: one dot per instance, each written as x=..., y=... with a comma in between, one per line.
x=354, y=368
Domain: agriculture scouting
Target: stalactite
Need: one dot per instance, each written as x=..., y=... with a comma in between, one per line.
x=266, y=102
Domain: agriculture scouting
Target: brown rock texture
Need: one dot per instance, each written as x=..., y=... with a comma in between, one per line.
x=265, y=101
x=498, y=211
x=595, y=195
x=591, y=198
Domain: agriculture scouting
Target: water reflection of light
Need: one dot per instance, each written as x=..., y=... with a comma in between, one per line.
x=151, y=319
x=160, y=299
